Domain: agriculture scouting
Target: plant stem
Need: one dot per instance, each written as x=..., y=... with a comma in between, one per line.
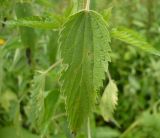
x=109, y=75
x=59, y=116
x=129, y=129
x=87, y=5
x=89, y=129
x=53, y=66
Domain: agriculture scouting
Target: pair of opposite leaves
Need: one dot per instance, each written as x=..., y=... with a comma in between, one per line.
x=84, y=45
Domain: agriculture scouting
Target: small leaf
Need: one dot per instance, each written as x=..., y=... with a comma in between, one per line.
x=133, y=38
x=109, y=100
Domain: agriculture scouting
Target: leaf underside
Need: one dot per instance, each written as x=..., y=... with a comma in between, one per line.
x=109, y=100
x=84, y=45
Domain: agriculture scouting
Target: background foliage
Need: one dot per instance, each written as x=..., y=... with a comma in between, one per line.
x=30, y=100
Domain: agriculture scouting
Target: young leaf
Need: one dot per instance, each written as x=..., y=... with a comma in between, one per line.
x=36, y=104
x=84, y=45
x=133, y=38
x=109, y=100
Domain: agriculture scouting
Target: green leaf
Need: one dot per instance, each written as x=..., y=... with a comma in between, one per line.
x=37, y=22
x=52, y=46
x=109, y=100
x=84, y=45
x=133, y=38
x=36, y=104
x=28, y=35
x=107, y=13
x=50, y=104
x=43, y=100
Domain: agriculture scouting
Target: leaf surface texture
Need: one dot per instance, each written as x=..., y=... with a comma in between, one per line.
x=84, y=45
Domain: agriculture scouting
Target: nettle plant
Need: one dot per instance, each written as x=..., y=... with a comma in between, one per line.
x=83, y=56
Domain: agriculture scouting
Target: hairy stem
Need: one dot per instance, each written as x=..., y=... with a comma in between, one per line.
x=87, y=5
x=89, y=128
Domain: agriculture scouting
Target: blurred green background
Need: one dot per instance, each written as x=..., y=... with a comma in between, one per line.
x=24, y=50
